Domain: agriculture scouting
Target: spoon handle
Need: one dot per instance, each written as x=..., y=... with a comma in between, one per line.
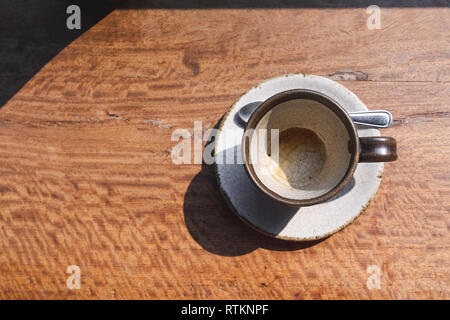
x=375, y=118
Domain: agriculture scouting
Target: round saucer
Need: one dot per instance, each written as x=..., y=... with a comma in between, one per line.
x=276, y=219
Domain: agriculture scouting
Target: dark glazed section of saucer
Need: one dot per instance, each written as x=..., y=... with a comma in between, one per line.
x=279, y=98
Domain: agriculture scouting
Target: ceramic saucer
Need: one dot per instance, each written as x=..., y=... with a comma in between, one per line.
x=273, y=218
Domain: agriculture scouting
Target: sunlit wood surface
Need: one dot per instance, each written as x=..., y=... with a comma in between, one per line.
x=86, y=176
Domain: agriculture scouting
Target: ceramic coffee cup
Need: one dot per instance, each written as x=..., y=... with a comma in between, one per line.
x=317, y=148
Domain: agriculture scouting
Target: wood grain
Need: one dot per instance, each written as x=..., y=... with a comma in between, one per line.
x=86, y=176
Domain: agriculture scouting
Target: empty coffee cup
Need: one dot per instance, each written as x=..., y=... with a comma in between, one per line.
x=309, y=149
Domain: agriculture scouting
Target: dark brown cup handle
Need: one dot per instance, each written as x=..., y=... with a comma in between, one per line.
x=377, y=149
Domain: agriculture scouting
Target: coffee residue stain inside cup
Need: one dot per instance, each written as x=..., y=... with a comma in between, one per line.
x=301, y=158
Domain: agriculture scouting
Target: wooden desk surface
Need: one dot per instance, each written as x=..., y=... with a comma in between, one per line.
x=86, y=176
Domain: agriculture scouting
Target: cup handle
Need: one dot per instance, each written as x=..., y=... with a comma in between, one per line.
x=377, y=149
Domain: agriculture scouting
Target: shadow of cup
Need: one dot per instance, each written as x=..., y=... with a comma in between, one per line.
x=215, y=227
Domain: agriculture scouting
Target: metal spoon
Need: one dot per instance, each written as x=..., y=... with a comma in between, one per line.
x=374, y=119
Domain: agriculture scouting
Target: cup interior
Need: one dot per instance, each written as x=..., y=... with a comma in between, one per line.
x=306, y=152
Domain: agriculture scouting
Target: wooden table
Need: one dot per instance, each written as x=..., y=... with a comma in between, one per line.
x=86, y=176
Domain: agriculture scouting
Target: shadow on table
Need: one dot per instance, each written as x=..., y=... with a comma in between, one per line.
x=33, y=32
x=217, y=229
